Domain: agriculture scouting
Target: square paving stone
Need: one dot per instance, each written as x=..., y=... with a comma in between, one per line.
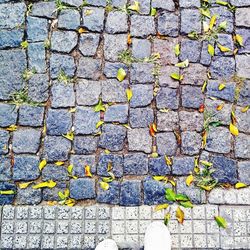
x=29, y=196
x=167, y=98
x=244, y=95
x=183, y=165
x=154, y=191
x=165, y=80
x=38, y=90
x=142, y=73
x=166, y=143
x=85, y=144
x=44, y=9
x=130, y=194
x=89, y=43
x=37, y=58
x=162, y=4
x=26, y=140
x=37, y=29
x=240, y=3
x=141, y=117
x=117, y=113
x=25, y=168
x=139, y=139
x=205, y=56
x=135, y=164
x=8, y=115
x=79, y=163
x=31, y=116
x=141, y=48
x=83, y=188
x=144, y=6
x=10, y=39
x=117, y=22
x=5, y=168
x=195, y=194
x=110, y=196
x=194, y=74
x=69, y=19
x=142, y=26
x=225, y=169
x=7, y=199
x=63, y=95
x=190, y=142
x=244, y=172
x=111, y=69
x=88, y=92
x=190, y=21
x=55, y=173
x=223, y=115
x=114, y=45
x=93, y=18
x=85, y=121
x=63, y=41
x=89, y=68
x=243, y=120
x=112, y=137
x=190, y=49
x=245, y=33
x=142, y=95
x=168, y=121
x=192, y=97
x=219, y=140
x=168, y=24
x=226, y=41
x=226, y=94
x=191, y=121
x=59, y=121
x=107, y=160
x=158, y=166
x=51, y=194
x=12, y=65
x=242, y=146
x=114, y=91
x=56, y=148
x=242, y=66
x=59, y=63
x=189, y=3
x=222, y=67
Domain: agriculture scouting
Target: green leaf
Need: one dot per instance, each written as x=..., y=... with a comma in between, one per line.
x=181, y=197
x=186, y=204
x=220, y=221
x=99, y=124
x=24, y=44
x=223, y=3
x=121, y=74
x=183, y=64
x=205, y=12
x=135, y=6
x=170, y=194
x=223, y=25
x=176, y=76
x=177, y=49
x=99, y=106
x=167, y=218
x=153, y=12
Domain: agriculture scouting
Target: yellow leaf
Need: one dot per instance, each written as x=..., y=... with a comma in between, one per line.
x=42, y=164
x=205, y=12
x=179, y=215
x=88, y=171
x=164, y=110
x=59, y=163
x=177, y=49
x=204, y=87
x=220, y=107
x=70, y=202
x=172, y=182
x=240, y=185
x=129, y=94
x=51, y=203
x=88, y=12
x=153, y=12
x=46, y=184
x=167, y=218
x=239, y=39
x=24, y=184
x=104, y=185
x=210, y=49
x=61, y=195
x=212, y=22
x=106, y=151
x=135, y=6
x=12, y=128
x=159, y=178
x=69, y=136
x=70, y=169
x=183, y=64
x=168, y=160
x=82, y=30
x=7, y=192
x=161, y=207
x=223, y=25
x=72, y=110
x=233, y=129
x=221, y=86
x=245, y=109
x=223, y=3
x=223, y=48
x=189, y=180
x=121, y=74
x=206, y=163
x=100, y=106
x=154, y=155
x=99, y=124
x=177, y=76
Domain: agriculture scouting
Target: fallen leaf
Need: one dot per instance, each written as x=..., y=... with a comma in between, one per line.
x=206, y=163
x=233, y=129
x=223, y=25
x=164, y=110
x=87, y=171
x=25, y=44
x=104, y=185
x=70, y=202
x=186, y=204
x=42, y=164
x=7, y=192
x=220, y=107
x=88, y=12
x=152, y=129
x=220, y=221
x=82, y=30
x=223, y=48
x=70, y=169
x=168, y=160
x=69, y=136
x=12, y=128
x=210, y=49
x=167, y=218
x=172, y=182
x=170, y=194
x=223, y=3
x=24, y=185
x=154, y=155
x=189, y=180
x=183, y=64
x=121, y=74
x=59, y=163
x=106, y=151
x=239, y=39
x=177, y=49
x=178, y=137
x=100, y=106
x=181, y=197
x=159, y=178
x=205, y=26
x=72, y=110
x=61, y=195
x=221, y=86
x=126, y=126
x=204, y=139
x=202, y=108
x=153, y=12
x=129, y=94
x=212, y=22
x=99, y=124
x=135, y=6
x=205, y=12
x=204, y=86
x=161, y=207
x=245, y=109
x=177, y=76
x=179, y=215
x=240, y=185
x=46, y=184
x=129, y=40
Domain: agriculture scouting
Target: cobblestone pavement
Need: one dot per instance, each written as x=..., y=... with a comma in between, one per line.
x=101, y=99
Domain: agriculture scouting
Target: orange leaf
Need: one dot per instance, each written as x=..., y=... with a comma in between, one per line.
x=129, y=40
x=152, y=129
x=201, y=108
x=87, y=171
x=204, y=139
x=220, y=107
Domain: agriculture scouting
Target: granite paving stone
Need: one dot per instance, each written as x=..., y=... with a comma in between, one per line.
x=31, y=116
x=141, y=117
x=93, y=18
x=191, y=50
x=44, y=9
x=242, y=146
x=244, y=171
x=37, y=29
x=165, y=79
x=167, y=98
x=142, y=72
x=141, y=48
x=142, y=26
x=8, y=115
x=166, y=143
x=130, y=194
x=135, y=164
x=245, y=35
x=117, y=113
x=89, y=43
x=55, y=173
x=69, y=19
x=5, y=168
x=89, y=68
x=82, y=188
x=192, y=97
x=166, y=5
x=190, y=142
x=158, y=166
x=85, y=144
x=183, y=165
x=36, y=57
x=117, y=22
x=168, y=24
x=167, y=121
x=79, y=163
x=242, y=66
x=10, y=39
x=191, y=121
x=190, y=21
